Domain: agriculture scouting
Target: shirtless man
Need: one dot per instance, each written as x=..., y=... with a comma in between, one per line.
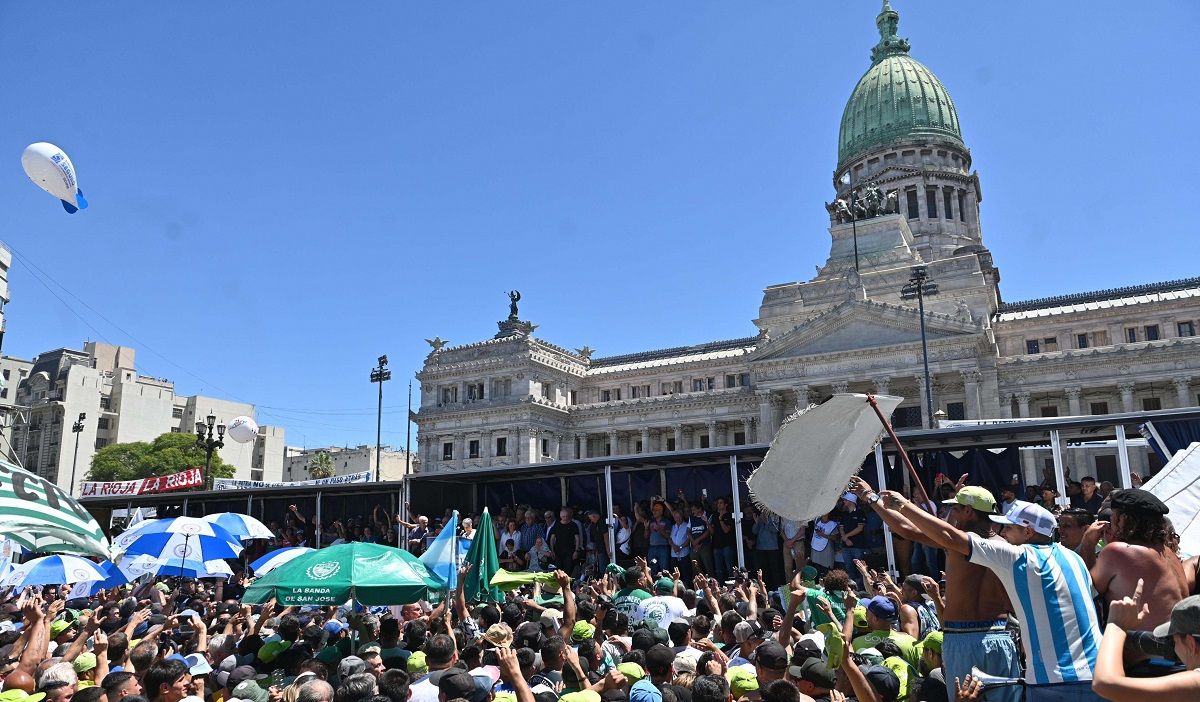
x=975, y=620
x=1139, y=551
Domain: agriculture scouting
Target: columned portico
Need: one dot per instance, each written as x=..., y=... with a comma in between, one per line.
x=1074, y=393
x=1126, y=389
x=1183, y=393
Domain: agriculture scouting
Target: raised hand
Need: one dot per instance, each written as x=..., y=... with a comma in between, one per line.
x=968, y=691
x=1129, y=612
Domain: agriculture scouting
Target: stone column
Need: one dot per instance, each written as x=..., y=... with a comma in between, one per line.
x=748, y=429
x=1183, y=390
x=803, y=397
x=1022, y=403
x=535, y=445
x=712, y=434
x=555, y=447
x=1006, y=399
x=614, y=449
x=485, y=446
x=766, y=411
x=678, y=437
x=645, y=439
x=989, y=393
x=514, y=450
x=970, y=380
x=460, y=450
x=1126, y=390
x=1073, y=393
x=841, y=386
x=881, y=384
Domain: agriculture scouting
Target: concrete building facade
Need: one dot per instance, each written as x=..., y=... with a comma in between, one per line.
x=904, y=196
x=394, y=465
x=120, y=406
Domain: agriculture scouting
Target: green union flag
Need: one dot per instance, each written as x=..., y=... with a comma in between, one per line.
x=41, y=516
x=485, y=563
x=370, y=574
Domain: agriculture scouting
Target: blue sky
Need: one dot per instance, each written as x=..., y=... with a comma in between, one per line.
x=282, y=191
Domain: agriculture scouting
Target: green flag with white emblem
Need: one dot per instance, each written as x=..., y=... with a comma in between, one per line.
x=41, y=516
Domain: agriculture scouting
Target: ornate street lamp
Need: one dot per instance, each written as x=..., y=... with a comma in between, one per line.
x=206, y=441
x=919, y=286
x=76, y=429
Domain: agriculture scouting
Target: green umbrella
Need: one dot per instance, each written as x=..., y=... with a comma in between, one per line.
x=485, y=562
x=41, y=516
x=369, y=573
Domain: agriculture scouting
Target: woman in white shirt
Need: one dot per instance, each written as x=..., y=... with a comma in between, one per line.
x=821, y=549
x=510, y=532
x=681, y=535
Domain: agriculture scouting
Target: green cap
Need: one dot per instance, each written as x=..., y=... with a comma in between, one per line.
x=632, y=671
x=582, y=631
x=742, y=680
x=18, y=695
x=975, y=497
x=809, y=574
x=59, y=626
x=84, y=662
x=417, y=664
x=932, y=641
x=664, y=585
x=581, y=696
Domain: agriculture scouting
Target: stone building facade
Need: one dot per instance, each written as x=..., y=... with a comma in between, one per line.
x=120, y=405
x=905, y=197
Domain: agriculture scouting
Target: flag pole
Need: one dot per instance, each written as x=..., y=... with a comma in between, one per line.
x=887, y=426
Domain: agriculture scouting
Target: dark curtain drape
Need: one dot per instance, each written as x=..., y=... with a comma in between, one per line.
x=1177, y=435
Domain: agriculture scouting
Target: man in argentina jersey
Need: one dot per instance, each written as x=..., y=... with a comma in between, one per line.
x=1050, y=589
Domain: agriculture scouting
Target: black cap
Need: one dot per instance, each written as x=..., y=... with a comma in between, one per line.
x=771, y=655
x=1138, y=500
x=817, y=673
x=457, y=684
x=883, y=681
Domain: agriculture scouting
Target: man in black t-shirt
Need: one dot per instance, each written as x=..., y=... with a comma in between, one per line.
x=723, y=536
x=566, y=542
x=852, y=523
x=700, y=534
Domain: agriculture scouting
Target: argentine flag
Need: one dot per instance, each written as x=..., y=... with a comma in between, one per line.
x=442, y=557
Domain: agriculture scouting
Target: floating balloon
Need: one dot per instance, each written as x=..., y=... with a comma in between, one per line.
x=243, y=430
x=52, y=171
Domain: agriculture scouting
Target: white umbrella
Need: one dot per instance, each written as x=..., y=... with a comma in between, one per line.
x=242, y=526
x=55, y=570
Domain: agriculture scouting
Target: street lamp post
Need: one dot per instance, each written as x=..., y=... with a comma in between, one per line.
x=919, y=286
x=379, y=374
x=205, y=440
x=76, y=429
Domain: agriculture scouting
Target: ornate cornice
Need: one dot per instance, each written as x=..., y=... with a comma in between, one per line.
x=1099, y=295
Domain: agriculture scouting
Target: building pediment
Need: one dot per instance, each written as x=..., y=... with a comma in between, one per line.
x=856, y=325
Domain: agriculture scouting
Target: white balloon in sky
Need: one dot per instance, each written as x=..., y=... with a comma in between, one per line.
x=242, y=430
x=51, y=169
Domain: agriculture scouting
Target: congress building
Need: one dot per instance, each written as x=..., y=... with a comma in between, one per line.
x=904, y=200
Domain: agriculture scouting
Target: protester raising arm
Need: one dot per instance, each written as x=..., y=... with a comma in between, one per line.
x=569, y=612
x=510, y=672
x=1110, y=681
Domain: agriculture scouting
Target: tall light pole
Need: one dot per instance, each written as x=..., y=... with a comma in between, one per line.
x=205, y=440
x=76, y=429
x=379, y=374
x=918, y=286
x=408, y=433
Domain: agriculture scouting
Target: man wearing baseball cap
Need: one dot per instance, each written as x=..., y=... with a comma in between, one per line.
x=1182, y=629
x=975, y=617
x=1139, y=553
x=1048, y=585
x=881, y=615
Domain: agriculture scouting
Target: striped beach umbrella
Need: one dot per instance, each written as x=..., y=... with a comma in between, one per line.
x=55, y=570
x=240, y=525
x=276, y=558
x=40, y=515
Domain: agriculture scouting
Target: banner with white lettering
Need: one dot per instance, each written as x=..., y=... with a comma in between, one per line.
x=190, y=478
x=231, y=484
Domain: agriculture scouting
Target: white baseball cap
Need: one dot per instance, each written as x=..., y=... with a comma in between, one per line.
x=1029, y=515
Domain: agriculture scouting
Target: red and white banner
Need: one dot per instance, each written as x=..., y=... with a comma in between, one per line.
x=190, y=478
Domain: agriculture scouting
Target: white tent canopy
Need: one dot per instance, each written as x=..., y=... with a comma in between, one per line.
x=1178, y=485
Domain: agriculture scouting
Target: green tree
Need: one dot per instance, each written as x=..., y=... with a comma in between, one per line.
x=321, y=466
x=169, y=453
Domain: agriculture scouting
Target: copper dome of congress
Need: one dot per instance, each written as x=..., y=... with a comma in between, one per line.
x=897, y=99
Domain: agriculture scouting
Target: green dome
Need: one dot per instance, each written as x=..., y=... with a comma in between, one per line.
x=897, y=98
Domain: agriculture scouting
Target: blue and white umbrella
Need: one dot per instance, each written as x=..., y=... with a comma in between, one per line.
x=240, y=525
x=55, y=570
x=194, y=569
x=277, y=558
x=183, y=539
x=88, y=588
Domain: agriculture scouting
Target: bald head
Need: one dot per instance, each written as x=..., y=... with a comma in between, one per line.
x=19, y=680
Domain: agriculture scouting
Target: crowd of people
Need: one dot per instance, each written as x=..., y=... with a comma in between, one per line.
x=998, y=599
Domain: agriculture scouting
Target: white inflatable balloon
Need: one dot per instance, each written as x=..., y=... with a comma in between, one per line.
x=242, y=430
x=50, y=168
